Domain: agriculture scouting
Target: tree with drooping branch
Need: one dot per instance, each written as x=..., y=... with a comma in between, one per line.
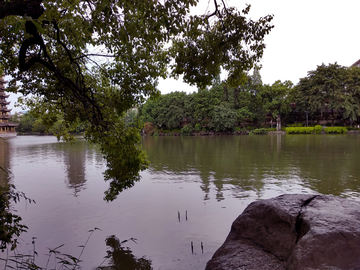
x=91, y=61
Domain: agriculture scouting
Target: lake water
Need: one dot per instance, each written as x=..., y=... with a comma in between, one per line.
x=190, y=195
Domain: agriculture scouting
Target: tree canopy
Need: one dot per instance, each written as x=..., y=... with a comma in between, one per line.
x=332, y=88
x=90, y=61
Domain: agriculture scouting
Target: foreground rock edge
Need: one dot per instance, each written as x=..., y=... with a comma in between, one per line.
x=293, y=231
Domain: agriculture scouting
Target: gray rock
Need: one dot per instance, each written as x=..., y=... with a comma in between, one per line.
x=293, y=232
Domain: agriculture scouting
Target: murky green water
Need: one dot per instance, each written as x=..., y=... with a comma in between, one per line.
x=194, y=189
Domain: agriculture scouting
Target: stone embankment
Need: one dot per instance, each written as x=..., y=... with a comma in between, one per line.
x=293, y=232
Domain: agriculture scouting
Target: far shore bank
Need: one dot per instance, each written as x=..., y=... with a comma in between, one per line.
x=247, y=132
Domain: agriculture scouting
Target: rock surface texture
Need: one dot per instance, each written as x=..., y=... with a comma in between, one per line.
x=293, y=232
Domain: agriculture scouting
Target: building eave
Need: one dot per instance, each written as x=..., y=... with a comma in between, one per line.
x=356, y=64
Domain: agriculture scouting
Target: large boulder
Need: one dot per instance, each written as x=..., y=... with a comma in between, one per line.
x=293, y=232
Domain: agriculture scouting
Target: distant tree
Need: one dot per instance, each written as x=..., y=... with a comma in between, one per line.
x=256, y=77
x=275, y=98
x=249, y=103
x=334, y=88
x=39, y=126
x=26, y=123
x=223, y=118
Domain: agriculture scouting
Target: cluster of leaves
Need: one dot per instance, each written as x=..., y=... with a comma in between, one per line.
x=10, y=223
x=92, y=61
x=187, y=129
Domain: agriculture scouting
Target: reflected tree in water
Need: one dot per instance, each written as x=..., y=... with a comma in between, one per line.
x=244, y=164
x=74, y=159
x=5, y=175
x=122, y=258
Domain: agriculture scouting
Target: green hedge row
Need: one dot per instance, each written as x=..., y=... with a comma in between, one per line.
x=336, y=130
x=317, y=129
x=299, y=130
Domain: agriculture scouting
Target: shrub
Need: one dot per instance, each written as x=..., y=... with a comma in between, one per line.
x=299, y=130
x=187, y=129
x=318, y=129
x=336, y=130
x=197, y=127
x=260, y=131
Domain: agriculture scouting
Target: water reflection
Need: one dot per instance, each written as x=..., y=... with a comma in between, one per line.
x=122, y=258
x=325, y=164
x=5, y=174
x=33, y=150
x=213, y=178
x=74, y=160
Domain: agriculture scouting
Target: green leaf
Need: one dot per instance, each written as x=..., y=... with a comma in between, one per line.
x=38, y=27
x=17, y=27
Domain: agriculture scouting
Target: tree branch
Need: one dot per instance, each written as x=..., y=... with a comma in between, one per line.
x=31, y=8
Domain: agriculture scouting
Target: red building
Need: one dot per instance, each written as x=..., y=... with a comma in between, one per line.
x=7, y=129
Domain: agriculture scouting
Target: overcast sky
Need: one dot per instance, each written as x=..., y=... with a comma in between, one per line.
x=306, y=34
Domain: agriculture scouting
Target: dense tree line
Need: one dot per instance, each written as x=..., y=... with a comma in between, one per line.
x=29, y=124
x=329, y=93
x=219, y=108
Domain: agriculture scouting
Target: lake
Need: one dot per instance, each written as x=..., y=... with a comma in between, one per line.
x=182, y=209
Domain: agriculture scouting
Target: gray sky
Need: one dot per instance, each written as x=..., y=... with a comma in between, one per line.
x=306, y=34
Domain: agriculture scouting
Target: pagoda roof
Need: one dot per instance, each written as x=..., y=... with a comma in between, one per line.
x=4, y=95
x=8, y=124
x=4, y=102
x=5, y=110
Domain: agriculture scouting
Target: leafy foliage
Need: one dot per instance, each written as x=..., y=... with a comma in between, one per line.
x=223, y=119
x=329, y=88
x=187, y=129
x=10, y=226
